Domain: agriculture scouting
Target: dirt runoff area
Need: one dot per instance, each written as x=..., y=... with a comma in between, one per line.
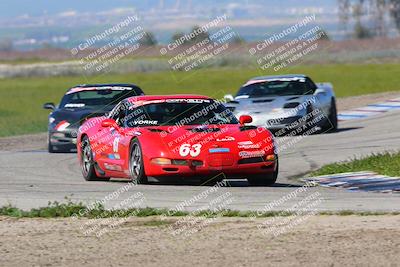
x=316, y=241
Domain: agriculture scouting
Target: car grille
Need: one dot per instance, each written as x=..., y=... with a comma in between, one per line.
x=220, y=160
x=251, y=160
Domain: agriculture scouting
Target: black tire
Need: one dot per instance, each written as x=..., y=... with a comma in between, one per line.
x=331, y=124
x=87, y=163
x=308, y=122
x=136, y=166
x=265, y=180
x=333, y=120
x=50, y=147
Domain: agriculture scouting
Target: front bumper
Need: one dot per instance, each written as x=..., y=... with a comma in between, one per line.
x=276, y=121
x=232, y=169
x=65, y=140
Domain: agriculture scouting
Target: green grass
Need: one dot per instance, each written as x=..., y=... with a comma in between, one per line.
x=69, y=209
x=21, y=99
x=385, y=164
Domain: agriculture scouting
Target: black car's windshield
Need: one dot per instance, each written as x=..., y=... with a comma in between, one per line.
x=95, y=98
x=180, y=114
x=274, y=88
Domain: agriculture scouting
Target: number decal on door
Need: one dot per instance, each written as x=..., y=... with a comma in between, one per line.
x=187, y=149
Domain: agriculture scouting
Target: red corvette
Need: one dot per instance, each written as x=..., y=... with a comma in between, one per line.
x=175, y=136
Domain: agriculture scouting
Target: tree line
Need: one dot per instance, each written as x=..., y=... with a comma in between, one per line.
x=369, y=18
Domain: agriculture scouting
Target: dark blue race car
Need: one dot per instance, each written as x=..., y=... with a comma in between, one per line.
x=78, y=104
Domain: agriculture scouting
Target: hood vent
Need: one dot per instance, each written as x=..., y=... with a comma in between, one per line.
x=155, y=130
x=93, y=115
x=292, y=98
x=247, y=127
x=263, y=101
x=205, y=130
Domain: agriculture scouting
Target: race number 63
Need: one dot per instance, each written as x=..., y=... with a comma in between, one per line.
x=187, y=149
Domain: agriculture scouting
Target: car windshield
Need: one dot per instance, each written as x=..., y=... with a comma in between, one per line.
x=95, y=98
x=205, y=112
x=274, y=88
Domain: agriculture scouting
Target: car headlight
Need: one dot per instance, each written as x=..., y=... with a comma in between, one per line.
x=277, y=110
x=51, y=119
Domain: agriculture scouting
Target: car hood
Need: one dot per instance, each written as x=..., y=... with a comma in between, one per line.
x=167, y=139
x=75, y=117
x=264, y=104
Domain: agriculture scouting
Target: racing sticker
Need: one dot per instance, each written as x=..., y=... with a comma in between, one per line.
x=248, y=145
x=219, y=150
x=74, y=105
x=145, y=122
x=112, y=167
x=114, y=88
x=62, y=125
x=226, y=139
x=189, y=100
x=115, y=145
x=251, y=154
x=193, y=150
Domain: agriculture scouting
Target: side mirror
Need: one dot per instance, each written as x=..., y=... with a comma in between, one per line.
x=245, y=119
x=108, y=123
x=49, y=106
x=228, y=98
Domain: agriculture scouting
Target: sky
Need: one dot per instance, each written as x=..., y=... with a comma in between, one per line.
x=15, y=8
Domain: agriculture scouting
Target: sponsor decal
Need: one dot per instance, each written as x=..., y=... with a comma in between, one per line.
x=196, y=101
x=243, y=143
x=113, y=156
x=248, y=145
x=114, y=88
x=115, y=145
x=288, y=79
x=253, y=146
x=145, y=122
x=251, y=154
x=112, y=167
x=62, y=125
x=74, y=105
x=116, y=148
x=226, y=139
x=219, y=150
x=187, y=149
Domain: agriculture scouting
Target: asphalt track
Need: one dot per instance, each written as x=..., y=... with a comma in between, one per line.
x=30, y=179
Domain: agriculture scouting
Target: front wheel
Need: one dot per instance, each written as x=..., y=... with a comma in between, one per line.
x=265, y=180
x=87, y=162
x=136, y=166
x=332, y=122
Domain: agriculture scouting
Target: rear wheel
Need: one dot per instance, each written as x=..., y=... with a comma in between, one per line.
x=136, y=166
x=87, y=163
x=266, y=179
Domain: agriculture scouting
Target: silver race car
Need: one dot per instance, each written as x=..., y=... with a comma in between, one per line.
x=289, y=102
